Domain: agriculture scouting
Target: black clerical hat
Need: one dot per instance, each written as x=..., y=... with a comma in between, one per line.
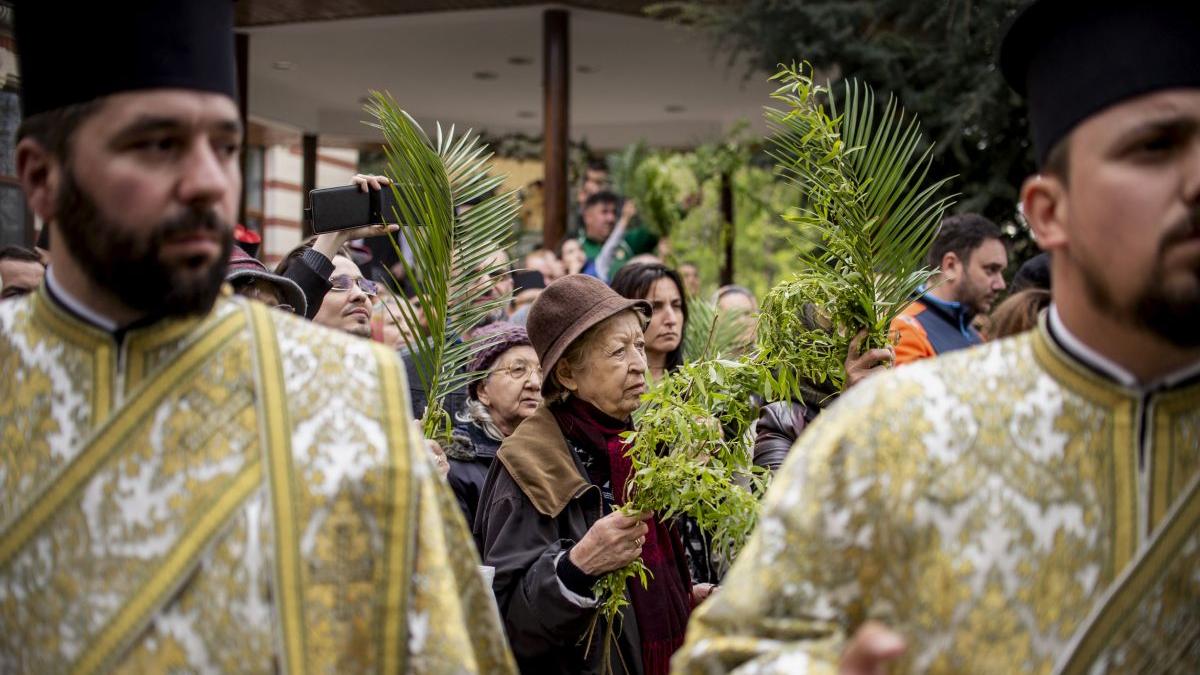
x=74, y=52
x=1071, y=59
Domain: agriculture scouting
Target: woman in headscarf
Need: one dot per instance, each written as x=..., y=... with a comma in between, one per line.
x=510, y=392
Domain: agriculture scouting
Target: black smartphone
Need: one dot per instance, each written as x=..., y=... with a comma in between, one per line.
x=347, y=207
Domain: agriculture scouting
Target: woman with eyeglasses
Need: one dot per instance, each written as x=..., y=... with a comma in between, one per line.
x=550, y=522
x=510, y=392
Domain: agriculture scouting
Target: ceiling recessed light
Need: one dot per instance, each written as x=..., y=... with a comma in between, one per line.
x=520, y=60
x=674, y=108
x=283, y=65
x=484, y=75
x=526, y=114
x=585, y=70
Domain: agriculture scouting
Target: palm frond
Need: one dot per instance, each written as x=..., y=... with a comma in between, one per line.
x=713, y=334
x=864, y=175
x=451, y=266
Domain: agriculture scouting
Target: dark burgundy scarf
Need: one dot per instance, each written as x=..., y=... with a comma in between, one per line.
x=662, y=609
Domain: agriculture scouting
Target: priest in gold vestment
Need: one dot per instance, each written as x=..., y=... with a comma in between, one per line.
x=194, y=483
x=1030, y=505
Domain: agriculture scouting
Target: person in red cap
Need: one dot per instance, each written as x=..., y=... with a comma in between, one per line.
x=191, y=482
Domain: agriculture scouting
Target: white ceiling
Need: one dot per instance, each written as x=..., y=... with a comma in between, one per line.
x=427, y=61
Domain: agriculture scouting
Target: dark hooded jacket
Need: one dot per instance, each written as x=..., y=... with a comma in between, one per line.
x=535, y=505
x=781, y=422
x=470, y=453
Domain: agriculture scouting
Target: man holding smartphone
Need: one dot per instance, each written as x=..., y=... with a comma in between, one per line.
x=312, y=265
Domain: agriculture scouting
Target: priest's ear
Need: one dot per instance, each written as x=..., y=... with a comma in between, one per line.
x=1044, y=199
x=43, y=150
x=39, y=172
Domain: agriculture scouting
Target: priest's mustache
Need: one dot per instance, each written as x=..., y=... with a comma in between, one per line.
x=193, y=222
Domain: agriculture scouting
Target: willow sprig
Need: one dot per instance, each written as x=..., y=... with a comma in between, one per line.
x=865, y=200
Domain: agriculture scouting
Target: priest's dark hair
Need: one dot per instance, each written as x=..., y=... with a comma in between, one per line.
x=13, y=252
x=961, y=234
x=634, y=281
x=1057, y=160
x=52, y=129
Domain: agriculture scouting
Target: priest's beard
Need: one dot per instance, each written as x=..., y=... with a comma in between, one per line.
x=129, y=264
x=1170, y=313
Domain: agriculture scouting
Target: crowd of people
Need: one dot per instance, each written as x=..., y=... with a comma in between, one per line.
x=212, y=464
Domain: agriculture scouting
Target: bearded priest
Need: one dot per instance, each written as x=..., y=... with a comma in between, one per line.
x=191, y=482
x=1031, y=505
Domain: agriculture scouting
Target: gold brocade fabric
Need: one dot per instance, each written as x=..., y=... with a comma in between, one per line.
x=980, y=504
x=1150, y=620
x=238, y=493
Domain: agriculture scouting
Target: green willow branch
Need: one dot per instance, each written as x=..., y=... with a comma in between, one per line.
x=862, y=177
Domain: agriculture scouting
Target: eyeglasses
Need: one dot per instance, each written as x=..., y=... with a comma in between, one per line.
x=343, y=283
x=520, y=370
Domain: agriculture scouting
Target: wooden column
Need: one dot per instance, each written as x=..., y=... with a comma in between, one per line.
x=242, y=48
x=556, y=64
x=308, y=153
x=727, y=217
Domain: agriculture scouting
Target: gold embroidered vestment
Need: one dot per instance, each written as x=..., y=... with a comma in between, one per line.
x=981, y=504
x=241, y=492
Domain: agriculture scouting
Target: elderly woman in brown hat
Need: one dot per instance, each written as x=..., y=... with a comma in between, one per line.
x=548, y=520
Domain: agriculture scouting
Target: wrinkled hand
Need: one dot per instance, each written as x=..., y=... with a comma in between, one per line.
x=861, y=366
x=439, y=457
x=701, y=592
x=869, y=651
x=610, y=543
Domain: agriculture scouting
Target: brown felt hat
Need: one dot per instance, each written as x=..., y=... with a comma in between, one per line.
x=566, y=309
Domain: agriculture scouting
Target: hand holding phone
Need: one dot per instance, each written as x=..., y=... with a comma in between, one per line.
x=367, y=202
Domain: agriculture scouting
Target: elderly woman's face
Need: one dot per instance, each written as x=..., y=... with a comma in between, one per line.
x=612, y=375
x=513, y=388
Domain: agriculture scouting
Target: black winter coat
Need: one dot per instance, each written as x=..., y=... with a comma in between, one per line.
x=779, y=424
x=470, y=453
x=455, y=400
x=536, y=504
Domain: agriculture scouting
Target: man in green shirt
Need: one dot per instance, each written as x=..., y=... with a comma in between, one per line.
x=600, y=224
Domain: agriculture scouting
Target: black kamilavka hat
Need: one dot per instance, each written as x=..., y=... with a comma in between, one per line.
x=75, y=52
x=1072, y=59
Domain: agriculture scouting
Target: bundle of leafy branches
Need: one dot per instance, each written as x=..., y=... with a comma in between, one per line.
x=451, y=248
x=863, y=176
x=869, y=205
x=649, y=180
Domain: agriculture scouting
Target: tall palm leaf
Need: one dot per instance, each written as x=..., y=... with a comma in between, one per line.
x=712, y=333
x=451, y=266
x=864, y=176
